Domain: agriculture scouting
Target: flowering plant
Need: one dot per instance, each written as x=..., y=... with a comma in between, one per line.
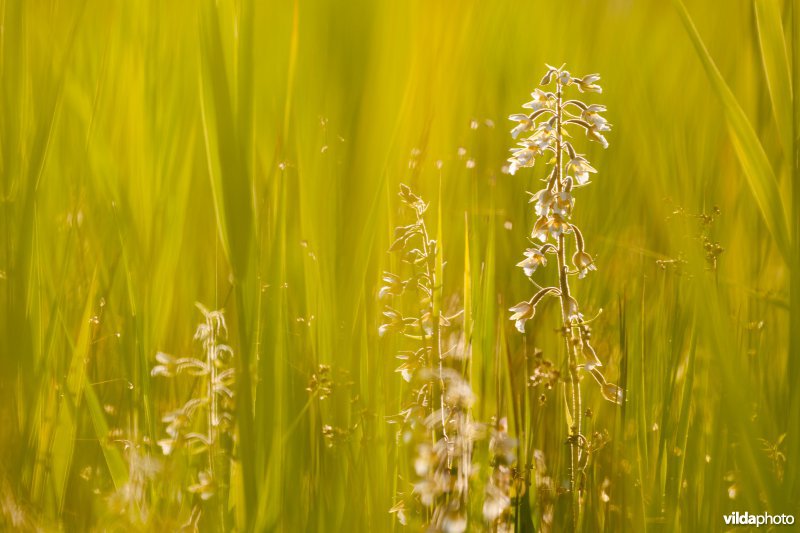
x=544, y=135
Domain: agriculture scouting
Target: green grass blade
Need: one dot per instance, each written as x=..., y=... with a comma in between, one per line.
x=231, y=182
x=66, y=429
x=230, y=179
x=776, y=66
x=677, y=463
x=116, y=464
x=467, y=293
x=758, y=484
x=439, y=266
x=757, y=169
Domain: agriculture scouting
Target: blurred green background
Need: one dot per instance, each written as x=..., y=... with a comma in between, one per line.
x=247, y=156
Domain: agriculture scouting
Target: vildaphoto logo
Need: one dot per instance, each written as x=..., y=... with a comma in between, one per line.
x=764, y=519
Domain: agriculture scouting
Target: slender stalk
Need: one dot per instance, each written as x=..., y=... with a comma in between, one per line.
x=436, y=341
x=212, y=408
x=443, y=466
x=563, y=282
x=553, y=205
x=213, y=415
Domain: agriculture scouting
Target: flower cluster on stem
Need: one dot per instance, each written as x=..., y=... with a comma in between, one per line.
x=203, y=425
x=437, y=414
x=545, y=132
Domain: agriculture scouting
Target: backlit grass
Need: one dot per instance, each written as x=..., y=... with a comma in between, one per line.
x=247, y=157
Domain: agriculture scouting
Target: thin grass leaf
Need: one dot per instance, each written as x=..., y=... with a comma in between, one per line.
x=438, y=272
x=675, y=470
x=114, y=461
x=776, y=66
x=230, y=176
x=467, y=294
x=757, y=483
x=757, y=169
x=230, y=171
x=65, y=432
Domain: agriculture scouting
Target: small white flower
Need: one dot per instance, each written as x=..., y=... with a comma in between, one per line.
x=168, y=445
x=547, y=128
x=395, y=323
x=557, y=226
x=522, y=312
x=583, y=262
x=562, y=203
x=596, y=121
x=540, y=229
x=523, y=124
x=524, y=157
x=533, y=259
x=527, y=151
x=539, y=101
x=176, y=422
x=596, y=108
x=539, y=140
x=168, y=365
x=595, y=135
x=587, y=84
x=543, y=201
x=581, y=167
x=205, y=486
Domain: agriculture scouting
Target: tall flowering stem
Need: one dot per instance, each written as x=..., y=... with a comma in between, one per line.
x=437, y=413
x=203, y=426
x=547, y=127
